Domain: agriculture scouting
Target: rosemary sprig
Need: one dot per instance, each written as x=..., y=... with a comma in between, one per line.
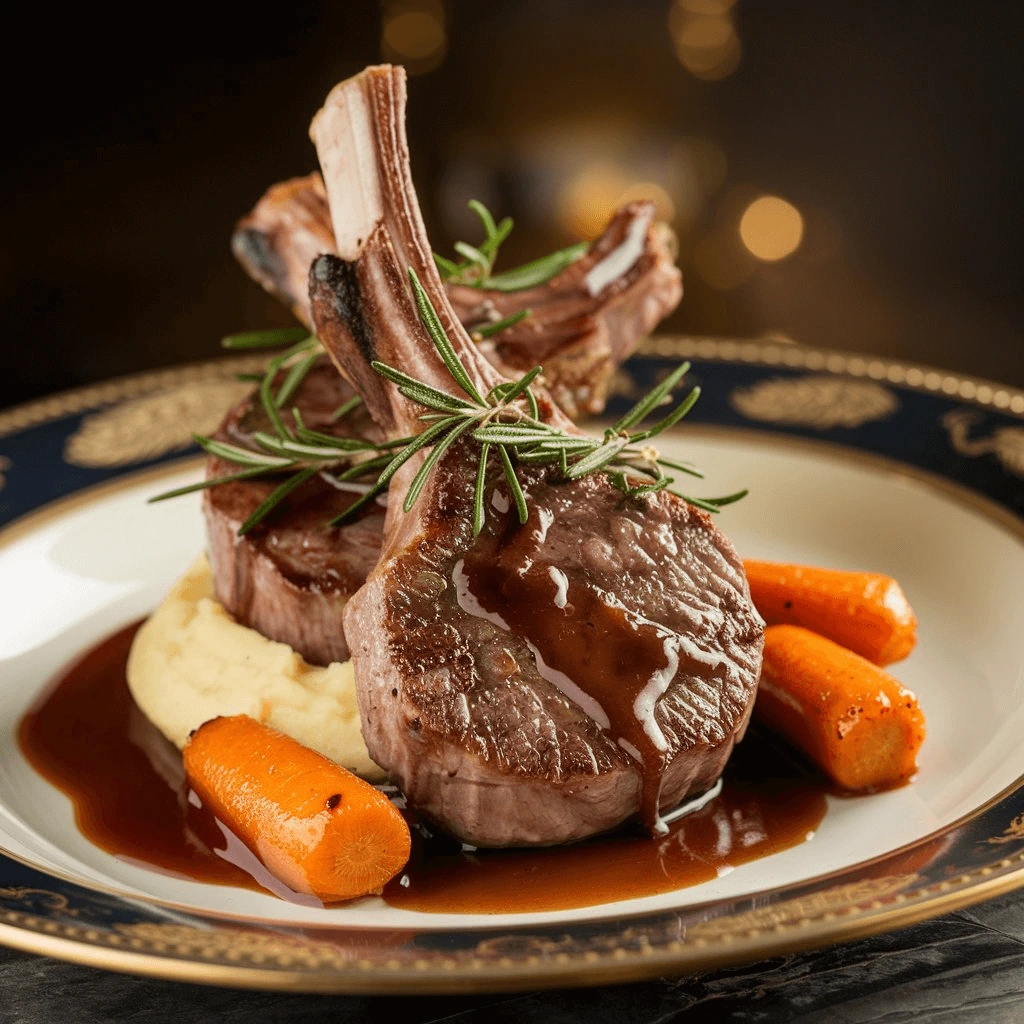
x=302, y=453
x=477, y=264
x=507, y=420
x=482, y=331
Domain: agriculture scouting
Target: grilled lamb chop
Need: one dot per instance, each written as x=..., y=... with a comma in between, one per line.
x=290, y=577
x=291, y=580
x=536, y=684
x=587, y=321
x=584, y=323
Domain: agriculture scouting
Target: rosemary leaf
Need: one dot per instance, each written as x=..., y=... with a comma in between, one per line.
x=295, y=449
x=435, y=456
x=415, y=444
x=489, y=330
x=523, y=384
x=246, y=474
x=682, y=467
x=426, y=398
x=479, y=512
x=513, y=485
x=447, y=267
x=444, y=347
x=271, y=338
x=504, y=230
x=702, y=503
x=619, y=480
x=422, y=393
x=657, y=485
x=490, y=247
x=359, y=504
x=296, y=375
x=651, y=400
x=490, y=229
x=537, y=272
x=275, y=498
x=345, y=408
x=671, y=419
x=729, y=498
x=597, y=459
x=531, y=399
x=474, y=255
x=538, y=456
x=570, y=445
x=511, y=433
x=344, y=444
x=240, y=456
x=267, y=399
x=364, y=467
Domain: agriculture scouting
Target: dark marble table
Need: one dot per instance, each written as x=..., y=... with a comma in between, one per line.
x=965, y=968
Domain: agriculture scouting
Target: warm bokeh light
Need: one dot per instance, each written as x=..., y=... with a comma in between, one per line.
x=704, y=37
x=593, y=194
x=589, y=198
x=771, y=228
x=413, y=34
x=712, y=8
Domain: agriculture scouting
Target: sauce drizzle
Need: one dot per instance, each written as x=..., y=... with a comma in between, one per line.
x=126, y=782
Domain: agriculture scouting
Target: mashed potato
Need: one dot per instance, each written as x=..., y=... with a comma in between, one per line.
x=192, y=662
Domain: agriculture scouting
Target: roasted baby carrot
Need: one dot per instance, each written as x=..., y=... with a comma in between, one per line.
x=855, y=720
x=317, y=827
x=863, y=611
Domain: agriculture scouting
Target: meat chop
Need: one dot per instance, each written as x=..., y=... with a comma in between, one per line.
x=541, y=683
x=290, y=577
x=584, y=323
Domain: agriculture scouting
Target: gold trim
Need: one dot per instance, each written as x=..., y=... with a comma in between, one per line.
x=143, y=429
x=914, y=376
x=588, y=968
x=94, y=396
x=1013, y=833
x=814, y=400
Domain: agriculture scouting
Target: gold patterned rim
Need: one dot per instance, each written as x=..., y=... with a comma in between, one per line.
x=787, y=927
x=763, y=938
x=914, y=376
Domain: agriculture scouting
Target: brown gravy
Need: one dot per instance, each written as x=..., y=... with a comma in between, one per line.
x=126, y=782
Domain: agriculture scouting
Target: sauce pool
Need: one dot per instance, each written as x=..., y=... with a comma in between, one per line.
x=128, y=788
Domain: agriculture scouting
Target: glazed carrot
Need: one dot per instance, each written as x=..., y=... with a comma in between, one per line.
x=851, y=717
x=317, y=827
x=863, y=611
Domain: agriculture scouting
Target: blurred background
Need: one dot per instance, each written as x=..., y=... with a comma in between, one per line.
x=842, y=174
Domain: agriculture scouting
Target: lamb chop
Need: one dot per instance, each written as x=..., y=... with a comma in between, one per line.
x=291, y=576
x=291, y=580
x=584, y=322
x=588, y=320
x=537, y=683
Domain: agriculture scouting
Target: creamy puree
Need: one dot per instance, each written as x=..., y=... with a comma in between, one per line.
x=191, y=661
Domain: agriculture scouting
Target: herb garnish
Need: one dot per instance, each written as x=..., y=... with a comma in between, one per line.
x=475, y=268
x=506, y=420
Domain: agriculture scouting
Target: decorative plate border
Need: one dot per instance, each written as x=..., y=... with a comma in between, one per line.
x=962, y=431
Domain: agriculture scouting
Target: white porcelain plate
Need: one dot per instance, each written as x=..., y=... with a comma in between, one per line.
x=824, y=491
